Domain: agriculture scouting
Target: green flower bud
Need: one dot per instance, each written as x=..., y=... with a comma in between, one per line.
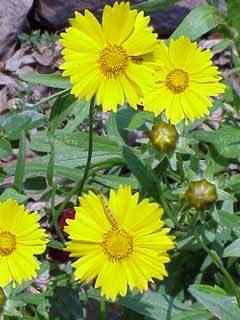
x=163, y=137
x=201, y=193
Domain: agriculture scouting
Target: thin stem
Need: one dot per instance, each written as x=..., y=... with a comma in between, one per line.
x=53, y=96
x=77, y=190
x=167, y=209
x=90, y=149
x=215, y=258
x=53, y=211
x=103, y=315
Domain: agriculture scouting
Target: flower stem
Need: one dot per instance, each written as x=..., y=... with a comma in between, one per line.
x=90, y=149
x=53, y=96
x=102, y=313
x=77, y=190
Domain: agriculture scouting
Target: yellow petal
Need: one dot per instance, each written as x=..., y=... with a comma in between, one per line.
x=118, y=22
x=110, y=94
x=142, y=40
x=89, y=25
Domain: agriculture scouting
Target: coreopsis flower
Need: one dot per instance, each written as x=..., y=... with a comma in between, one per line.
x=21, y=238
x=120, y=242
x=186, y=81
x=111, y=60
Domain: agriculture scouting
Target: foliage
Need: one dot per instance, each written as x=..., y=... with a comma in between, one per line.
x=52, y=147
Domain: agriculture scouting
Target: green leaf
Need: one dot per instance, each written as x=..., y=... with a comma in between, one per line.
x=73, y=142
x=233, y=250
x=144, y=175
x=113, y=130
x=20, y=166
x=55, y=244
x=154, y=305
x=139, y=119
x=154, y=5
x=195, y=314
x=49, y=80
x=66, y=304
x=198, y=22
x=226, y=140
x=80, y=112
x=13, y=194
x=61, y=108
x=114, y=182
x=38, y=168
x=14, y=124
x=216, y=301
x=228, y=220
x=5, y=148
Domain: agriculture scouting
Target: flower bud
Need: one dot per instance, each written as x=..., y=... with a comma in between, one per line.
x=201, y=193
x=163, y=137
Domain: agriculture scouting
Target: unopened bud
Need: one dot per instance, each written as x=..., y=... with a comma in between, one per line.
x=201, y=193
x=163, y=137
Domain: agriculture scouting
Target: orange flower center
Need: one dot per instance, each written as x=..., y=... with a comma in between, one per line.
x=177, y=81
x=113, y=61
x=7, y=243
x=117, y=244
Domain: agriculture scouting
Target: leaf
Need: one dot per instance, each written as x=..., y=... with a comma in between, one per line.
x=226, y=140
x=39, y=168
x=5, y=148
x=14, y=124
x=20, y=166
x=194, y=314
x=81, y=112
x=154, y=5
x=233, y=250
x=228, y=220
x=139, y=119
x=216, y=301
x=144, y=175
x=11, y=193
x=113, y=130
x=112, y=181
x=66, y=304
x=74, y=142
x=154, y=305
x=198, y=22
x=49, y=80
x=61, y=108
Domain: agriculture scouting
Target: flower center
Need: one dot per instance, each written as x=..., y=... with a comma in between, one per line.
x=177, y=81
x=7, y=243
x=113, y=61
x=117, y=244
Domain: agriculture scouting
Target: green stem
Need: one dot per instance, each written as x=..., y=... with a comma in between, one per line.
x=53, y=96
x=215, y=258
x=103, y=315
x=77, y=190
x=167, y=209
x=90, y=149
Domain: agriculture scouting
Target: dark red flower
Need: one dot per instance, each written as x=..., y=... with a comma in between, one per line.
x=68, y=213
x=58, y=255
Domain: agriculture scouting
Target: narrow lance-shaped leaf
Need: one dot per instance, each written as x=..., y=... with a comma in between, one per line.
x=198, y=22
x=20, y=166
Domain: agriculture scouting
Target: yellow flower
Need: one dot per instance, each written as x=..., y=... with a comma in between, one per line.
x=121, y=242
x=185, y=81
x=111, y=60
x=20, y=239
